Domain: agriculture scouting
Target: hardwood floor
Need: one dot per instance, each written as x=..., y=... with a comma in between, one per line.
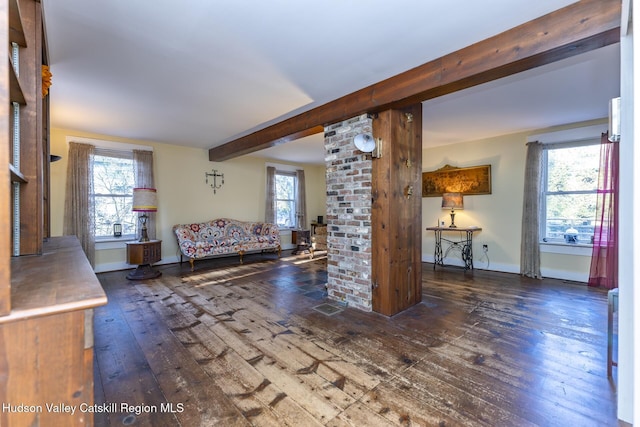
x=237, y=345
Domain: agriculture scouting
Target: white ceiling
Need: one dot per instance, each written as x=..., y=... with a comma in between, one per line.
x=210, y=71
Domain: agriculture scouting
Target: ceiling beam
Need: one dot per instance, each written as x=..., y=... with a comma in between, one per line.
x=580, y=27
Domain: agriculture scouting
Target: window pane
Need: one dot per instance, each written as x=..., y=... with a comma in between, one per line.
x=286, y=200
x=111, y=210
x=113, y=182
x=285, y=185
x=573, y=169
x=286, y=213
x=570, y=211
x=113, y=175
x=569, y=205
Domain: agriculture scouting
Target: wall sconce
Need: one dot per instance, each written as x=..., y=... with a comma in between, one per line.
x=144, y=200
x=366, y=143
x=215, y=175
x=454, y=202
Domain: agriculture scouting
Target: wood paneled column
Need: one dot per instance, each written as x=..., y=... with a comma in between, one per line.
x=396, y=211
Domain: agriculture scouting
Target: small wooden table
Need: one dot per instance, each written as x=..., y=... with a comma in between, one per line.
x=144, y=254
x=465, y=244
x=302, y=240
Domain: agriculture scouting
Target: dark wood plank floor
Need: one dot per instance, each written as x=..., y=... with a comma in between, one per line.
x=258, y=344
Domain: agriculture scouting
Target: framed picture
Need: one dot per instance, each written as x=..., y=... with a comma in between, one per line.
x=451, y=179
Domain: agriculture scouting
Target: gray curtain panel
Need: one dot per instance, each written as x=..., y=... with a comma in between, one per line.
x=79, y=219
x=530, y=243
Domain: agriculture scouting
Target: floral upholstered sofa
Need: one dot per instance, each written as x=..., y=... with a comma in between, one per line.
x=224, y=236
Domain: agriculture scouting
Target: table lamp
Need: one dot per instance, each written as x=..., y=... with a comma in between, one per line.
x=144, y=200
x=454, y=202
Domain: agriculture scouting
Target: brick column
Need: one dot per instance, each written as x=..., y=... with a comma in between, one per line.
x=348, y=214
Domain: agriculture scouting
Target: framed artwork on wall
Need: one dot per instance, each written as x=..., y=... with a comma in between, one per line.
x=451, y=179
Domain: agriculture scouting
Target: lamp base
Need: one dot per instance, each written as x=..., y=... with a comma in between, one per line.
x=143, y=271
x=453, y=215
x=144, y=237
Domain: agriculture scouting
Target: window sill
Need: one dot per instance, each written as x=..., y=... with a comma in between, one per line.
x=580, y=249
x=113, y=242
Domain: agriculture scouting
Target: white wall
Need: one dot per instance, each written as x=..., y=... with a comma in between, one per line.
x=183, y=195
x=499, y=214
x=629, y=210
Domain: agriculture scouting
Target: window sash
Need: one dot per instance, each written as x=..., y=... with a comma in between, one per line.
x=286, y=217
x=545, y=219
x=115, y=205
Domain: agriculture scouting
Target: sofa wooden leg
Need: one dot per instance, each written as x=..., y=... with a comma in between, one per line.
x=191, y=261
x=279, y=251
x=241, y=253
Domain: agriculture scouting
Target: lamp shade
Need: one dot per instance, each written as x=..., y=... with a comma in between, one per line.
x=145, y=200
x=452, y=201
x=364, y=142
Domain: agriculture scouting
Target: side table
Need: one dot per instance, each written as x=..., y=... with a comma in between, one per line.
x=302, y=240
x=464, y=244
x=144, y=254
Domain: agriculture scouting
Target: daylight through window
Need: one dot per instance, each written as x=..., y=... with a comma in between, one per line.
x=113, y=182
x=569, y=186
x=286, y=199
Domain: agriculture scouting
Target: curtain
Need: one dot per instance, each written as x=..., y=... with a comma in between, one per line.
x=79, y=217
x=270, y=208
x=143, y=169
x=301, y=200
x=530, y=241
x=604, y=258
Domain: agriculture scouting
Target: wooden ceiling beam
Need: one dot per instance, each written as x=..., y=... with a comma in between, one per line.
x=575, y=29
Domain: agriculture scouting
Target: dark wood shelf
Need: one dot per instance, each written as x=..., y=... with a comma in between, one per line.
x=15, y=89
x=16, y=32
x=16, y=175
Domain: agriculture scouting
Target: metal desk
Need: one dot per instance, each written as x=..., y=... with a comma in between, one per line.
x=465, y=244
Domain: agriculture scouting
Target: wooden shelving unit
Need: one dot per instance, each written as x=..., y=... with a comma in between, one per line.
x=47, y=289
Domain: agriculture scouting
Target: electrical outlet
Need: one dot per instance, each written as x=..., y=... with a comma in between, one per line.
x=485, y=248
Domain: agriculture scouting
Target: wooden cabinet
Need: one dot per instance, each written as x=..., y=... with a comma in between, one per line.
x=46, y=342
x=144, y=254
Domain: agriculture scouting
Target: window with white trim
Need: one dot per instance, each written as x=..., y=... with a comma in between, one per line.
x=286, y=199
x=569, y=192
x=113, y=183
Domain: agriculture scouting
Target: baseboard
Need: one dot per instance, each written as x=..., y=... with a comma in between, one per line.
x=117, y=266
x=565, y=275
x=513, y=268
x=478, y=265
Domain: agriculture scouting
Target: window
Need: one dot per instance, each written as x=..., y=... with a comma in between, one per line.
x=569, y=192
x=113, y=182
x=286, y=199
